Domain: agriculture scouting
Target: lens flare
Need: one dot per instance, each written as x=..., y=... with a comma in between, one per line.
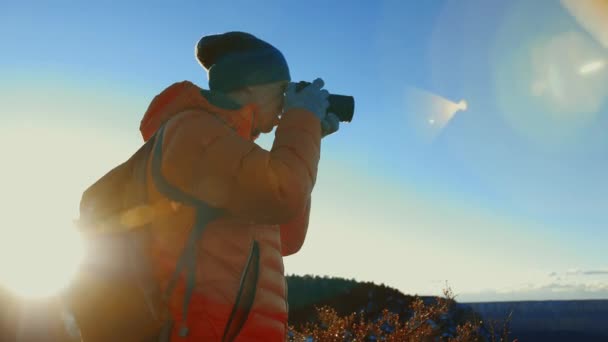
x=428, y=114
x=592, y=67
x=558, y=76
x=551, y=88
x=462, y=105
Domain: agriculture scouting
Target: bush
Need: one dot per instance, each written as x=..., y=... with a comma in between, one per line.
x=424, y=323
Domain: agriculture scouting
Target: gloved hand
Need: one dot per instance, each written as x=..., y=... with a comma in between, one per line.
x=314, y=99
x=330, y=125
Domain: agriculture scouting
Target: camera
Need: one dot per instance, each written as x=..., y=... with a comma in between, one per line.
x=341, y=105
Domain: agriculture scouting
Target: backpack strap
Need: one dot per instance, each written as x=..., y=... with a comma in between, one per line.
x=137, y=260
x=187, y=262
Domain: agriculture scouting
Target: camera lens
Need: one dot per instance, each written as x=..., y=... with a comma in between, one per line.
x=341, y=105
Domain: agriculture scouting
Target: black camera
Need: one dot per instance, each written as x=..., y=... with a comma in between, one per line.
x=341, y=105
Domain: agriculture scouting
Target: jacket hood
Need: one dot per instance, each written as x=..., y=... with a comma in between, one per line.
x=185, y=95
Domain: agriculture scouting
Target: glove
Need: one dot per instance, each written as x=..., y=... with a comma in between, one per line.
x=314, y=99
x=311, y=98
x=330, y=125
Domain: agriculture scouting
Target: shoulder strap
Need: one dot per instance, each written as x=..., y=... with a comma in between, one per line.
x=187, y=262
x=168, y=190
x=138, y=262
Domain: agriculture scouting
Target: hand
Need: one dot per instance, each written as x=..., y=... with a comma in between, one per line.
x=311, y=98
x=330, y=125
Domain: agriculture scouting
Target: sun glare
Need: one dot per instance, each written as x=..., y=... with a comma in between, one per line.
x=40, y=251
x=40, y=260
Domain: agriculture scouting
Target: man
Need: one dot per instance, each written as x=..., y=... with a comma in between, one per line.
x=218, y=204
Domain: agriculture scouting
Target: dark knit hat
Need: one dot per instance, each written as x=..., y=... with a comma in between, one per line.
x=234, y=60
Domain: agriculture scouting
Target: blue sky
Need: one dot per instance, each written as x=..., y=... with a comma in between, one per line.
x=503, y=200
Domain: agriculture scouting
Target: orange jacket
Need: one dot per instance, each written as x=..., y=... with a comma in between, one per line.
x=208, y=152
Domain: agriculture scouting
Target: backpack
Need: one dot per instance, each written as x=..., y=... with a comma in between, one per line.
x=114, y=297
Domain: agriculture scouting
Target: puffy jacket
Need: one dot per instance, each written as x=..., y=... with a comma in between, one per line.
x=208, y=153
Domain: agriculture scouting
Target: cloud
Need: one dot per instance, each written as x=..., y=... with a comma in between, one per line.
x=557, y=289
x=558, y=286
x=580, y=272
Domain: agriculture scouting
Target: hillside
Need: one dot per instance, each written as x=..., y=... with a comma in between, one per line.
x=563, y=320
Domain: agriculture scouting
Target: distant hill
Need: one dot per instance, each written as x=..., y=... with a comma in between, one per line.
x=538, y=321
x=573, y=320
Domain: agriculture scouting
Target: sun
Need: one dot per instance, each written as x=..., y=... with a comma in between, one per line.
x=40, y=250
x=37, y=263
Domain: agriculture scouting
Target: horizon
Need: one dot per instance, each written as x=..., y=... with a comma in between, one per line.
x=476, y=154
x=473, y=301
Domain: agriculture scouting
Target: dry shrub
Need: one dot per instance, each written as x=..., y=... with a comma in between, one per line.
x=424, y=324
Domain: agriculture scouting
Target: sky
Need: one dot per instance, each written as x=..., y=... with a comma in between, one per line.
x=476, y=157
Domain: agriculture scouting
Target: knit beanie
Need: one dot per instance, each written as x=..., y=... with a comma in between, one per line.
x=234, y=60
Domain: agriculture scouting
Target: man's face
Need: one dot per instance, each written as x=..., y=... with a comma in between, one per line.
x=269, y=98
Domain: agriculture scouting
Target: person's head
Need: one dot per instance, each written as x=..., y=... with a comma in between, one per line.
x=247, y=69
x=268, y=99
